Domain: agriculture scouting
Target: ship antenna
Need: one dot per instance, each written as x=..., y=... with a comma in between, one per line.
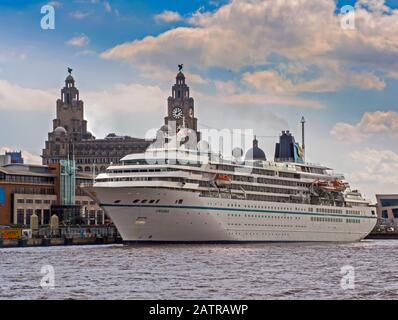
x=302, y=135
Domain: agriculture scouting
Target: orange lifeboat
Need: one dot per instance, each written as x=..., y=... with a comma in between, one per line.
x=330, y=186
x=222, y=180
x=338, y=185
x=320, y=183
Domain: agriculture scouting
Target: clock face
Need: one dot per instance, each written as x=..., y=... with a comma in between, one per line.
x=177, y=113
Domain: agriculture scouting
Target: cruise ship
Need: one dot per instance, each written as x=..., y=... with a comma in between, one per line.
x=189, y=195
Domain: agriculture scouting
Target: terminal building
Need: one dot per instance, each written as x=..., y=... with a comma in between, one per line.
x=27, y=189
x=387, y=207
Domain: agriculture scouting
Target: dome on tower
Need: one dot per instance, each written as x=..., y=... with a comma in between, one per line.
x=164, y=128
x=255, y=153
x=69, y=78
x=60, y=130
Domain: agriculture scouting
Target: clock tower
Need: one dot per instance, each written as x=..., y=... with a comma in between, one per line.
x=180, y=106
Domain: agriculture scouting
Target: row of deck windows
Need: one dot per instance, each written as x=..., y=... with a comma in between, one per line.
x=329, y=210
x=140, y=201
x=353, y=220
x=326, y=219
x=354, y=212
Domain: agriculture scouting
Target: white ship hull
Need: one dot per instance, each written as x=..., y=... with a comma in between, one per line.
x=161, y=218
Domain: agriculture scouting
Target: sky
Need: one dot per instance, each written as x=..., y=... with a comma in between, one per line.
x=250, y=64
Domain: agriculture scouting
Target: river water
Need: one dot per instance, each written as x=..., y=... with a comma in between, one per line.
x=364, y=270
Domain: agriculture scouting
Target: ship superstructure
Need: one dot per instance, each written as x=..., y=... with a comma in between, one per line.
x=185, y=195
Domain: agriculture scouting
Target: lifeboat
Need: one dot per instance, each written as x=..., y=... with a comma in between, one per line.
x=338, y=185
x=222, y=180
x=330, y=186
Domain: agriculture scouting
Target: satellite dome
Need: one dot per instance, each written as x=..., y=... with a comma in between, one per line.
x=255, y=153
x=237, y=153
x=60, y=130
x=203, y=146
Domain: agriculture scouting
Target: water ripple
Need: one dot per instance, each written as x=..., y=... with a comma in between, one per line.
x=247, y=271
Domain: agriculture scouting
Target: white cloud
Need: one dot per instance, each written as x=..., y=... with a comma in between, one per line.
x=15, y=97
x=225, y=87
x=79, y=41
x=86, y=53
x=373, y=5
x=123, y=106
x=79, y=14
x=55, y=4
x=165, y=75
x=347, y=133
x=372, y=123
x=376, y=170
x=107, y=6
x=245, y=33
x=168, y=16
x=292, y=67
x=255, y=99
x=10, y=55
x=392, y=74
x=273, y=81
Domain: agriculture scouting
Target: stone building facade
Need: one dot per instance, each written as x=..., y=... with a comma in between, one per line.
x=180, y=107
x=70, y=137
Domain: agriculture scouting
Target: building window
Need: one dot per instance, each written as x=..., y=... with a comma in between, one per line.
x=389, y=202
x=46, y=216
x=38, y=213
x=20, y=216
x=29, y=213
x=384, y=214
x=100, y=217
